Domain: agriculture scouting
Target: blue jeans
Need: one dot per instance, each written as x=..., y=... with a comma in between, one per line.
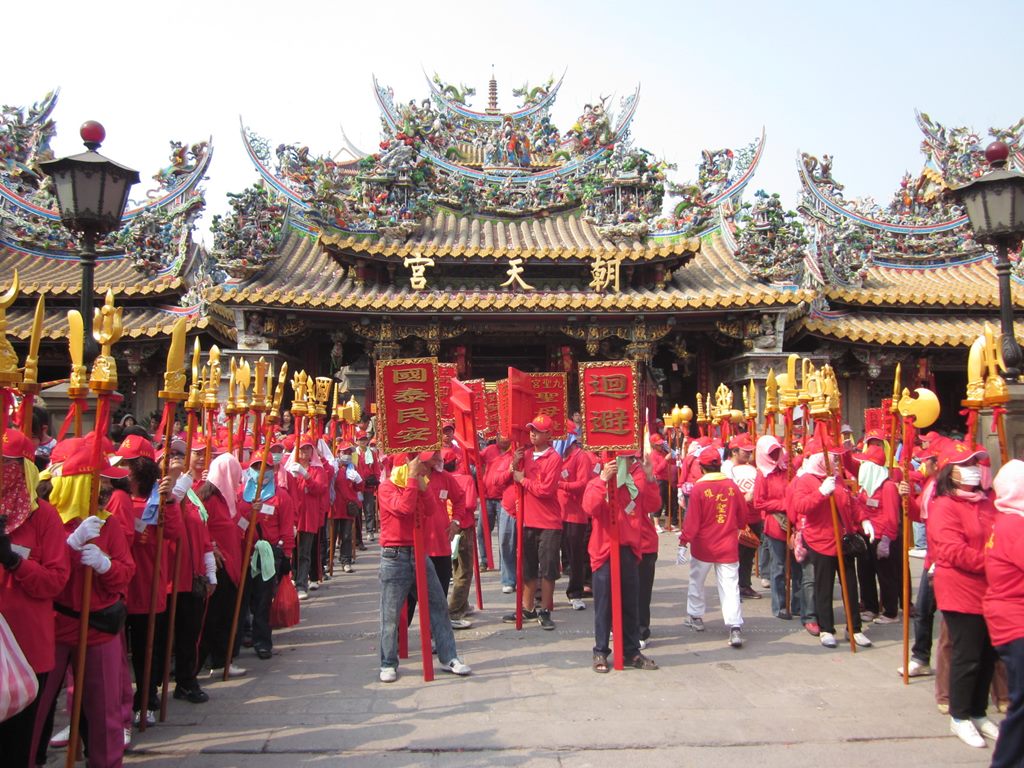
x=507, y=547
x=493, y=506
x=397, y=576
x=920, y=540
x=777, y=570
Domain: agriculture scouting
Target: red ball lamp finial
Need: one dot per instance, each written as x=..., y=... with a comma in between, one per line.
x=92, y=134
x=997, y=153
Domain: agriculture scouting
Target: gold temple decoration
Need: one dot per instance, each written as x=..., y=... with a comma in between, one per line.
x=771, y=393
x=195, y=391
x=9, y=373
x=418, y=266
x=604, y=273
x=174, y=372
x=995, y=387
x=212, y=379
x=30, y=381
x=923, y=409
x=299, y=397
x=259, y=392
x=77, y=385
x=243, y=380
x=271, y=393
x=107, y=329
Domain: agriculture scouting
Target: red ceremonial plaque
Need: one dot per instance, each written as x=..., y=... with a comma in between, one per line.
x=476, y=386
x=521, y=405
x=551, y=397
x=491, y=404
x=445, y=373
x=876, y=418
x=408, y=413
x=610, y=401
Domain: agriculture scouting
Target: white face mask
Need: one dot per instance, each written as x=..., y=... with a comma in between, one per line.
x=970, y=476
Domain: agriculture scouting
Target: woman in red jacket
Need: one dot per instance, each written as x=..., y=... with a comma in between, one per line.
x=960, y=519
x=1004, y=604
x=879, y=509
x=809, y=498
x=35, y=569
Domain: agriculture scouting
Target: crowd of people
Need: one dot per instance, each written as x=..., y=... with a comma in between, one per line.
x=744, y=509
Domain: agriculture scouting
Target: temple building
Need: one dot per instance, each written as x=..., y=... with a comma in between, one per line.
x=494, y=238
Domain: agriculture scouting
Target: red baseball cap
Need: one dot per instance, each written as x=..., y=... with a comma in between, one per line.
x=445, y=426
x=136, y=447
x=448, y=455
x=875, y=434
x=874, y=453
x=17, y=446
x=80, y=463
x=743, y=442
x=959, y=452
x=656, y=439
x=361, y=434
x=541, y=423
x=65, y=448
x=426, y=455
x=305, y=440
x=709, y=457
x=344, y=447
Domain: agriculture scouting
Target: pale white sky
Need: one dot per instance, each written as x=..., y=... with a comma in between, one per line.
x=843, y=80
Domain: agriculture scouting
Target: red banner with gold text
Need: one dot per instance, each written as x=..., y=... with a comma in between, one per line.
x=408, y=410
x=609, y=397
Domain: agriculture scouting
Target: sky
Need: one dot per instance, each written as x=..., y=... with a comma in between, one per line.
x=820, y=77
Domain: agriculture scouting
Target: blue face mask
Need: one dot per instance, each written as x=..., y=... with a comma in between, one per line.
x=276, y=456
x=252, y=476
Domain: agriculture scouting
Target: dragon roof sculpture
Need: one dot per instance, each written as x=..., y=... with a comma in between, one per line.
x=439, y=152
x=920, y=224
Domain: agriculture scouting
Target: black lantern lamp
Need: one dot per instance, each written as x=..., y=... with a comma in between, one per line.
x=995, y=206
x=92, y=192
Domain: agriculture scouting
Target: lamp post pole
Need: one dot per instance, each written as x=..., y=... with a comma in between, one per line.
x=87, y=258
x=1010, y=348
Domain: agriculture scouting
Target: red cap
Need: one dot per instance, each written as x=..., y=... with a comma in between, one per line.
x=875, y=434
x=426, y=455
x=742, y=441
x=923, y=454
x=344, y=447
x=136, y=447
x=656, y=439
x=959, y=452
x=570, y=427
x=704, y=441
x=874, y=453
x=709, y=457
x=447, y=424
x=80, y=463
x=65, y=448
x=361, y=433
x=307, y=439
x=448, y=455
x=198, y=444
x=17, y=446
x=541, y=423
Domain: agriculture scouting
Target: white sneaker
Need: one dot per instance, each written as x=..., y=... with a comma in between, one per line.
x=917, y=669
x=507, y=590
x=918, y=552
x=303, y=594
x=60, y=739
x=388, y=674
x=457, y=667
x=577, y=604
x=314, y=586
x=868, y=615
x=658, y=528
x=883, y=619
x=233, y=671
x=828, y=640
x=127, y=736
x=966, y=732
x=461, y=623
x=862, y=640
x=150, y=718
x=986, y=727
x=765, y=584
x=643, y=645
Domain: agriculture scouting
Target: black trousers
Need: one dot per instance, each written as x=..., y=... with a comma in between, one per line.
x=136, y=626
x=443, y=567
x=16, y=733
x=747, y=555
x=188, y=626
x=602, y=585
x=880, y=579
x=971, y=664
x=646, y=589
x=925, y=621
x=825, y=569
x=343, y=537
x=573, y=536
x=213, y=642
x=1009, y=751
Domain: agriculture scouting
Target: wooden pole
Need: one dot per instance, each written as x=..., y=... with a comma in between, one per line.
x=908, y=441
x=520, y=514
x=419, y=553
x=837, y=531
x=154, y=592
x=102, y=419
x=787, y=416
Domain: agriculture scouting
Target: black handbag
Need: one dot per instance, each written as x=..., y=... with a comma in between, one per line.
x=109, y=620
x=854, y=545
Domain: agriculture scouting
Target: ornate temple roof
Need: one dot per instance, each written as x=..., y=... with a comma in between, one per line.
x=914, y=330
x=558, y=237
x=139, y=322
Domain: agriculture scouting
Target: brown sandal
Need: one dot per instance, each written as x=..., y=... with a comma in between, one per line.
x=642, y=662
x=600, y=663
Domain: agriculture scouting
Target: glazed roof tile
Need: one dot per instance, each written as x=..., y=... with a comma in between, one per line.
x=139, y=322
x=305, y=276
x=971, y=283
x=562, y=236
x=903, y=330
x=61, y=275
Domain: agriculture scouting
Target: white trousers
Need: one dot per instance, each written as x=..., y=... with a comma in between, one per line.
x=727, y=575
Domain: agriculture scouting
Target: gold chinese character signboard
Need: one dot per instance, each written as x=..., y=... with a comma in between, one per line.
x=609, y=399
x=551, y=397
x=408, y=412
x=445, y=373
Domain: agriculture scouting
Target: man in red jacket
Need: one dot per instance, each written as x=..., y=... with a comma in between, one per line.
x=713, y=521
x=538, y=471
x=35, y=569
x=497, y=478
x=309, y=484
x=636, y=496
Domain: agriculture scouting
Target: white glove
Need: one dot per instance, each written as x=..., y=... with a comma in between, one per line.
x=88, y=529
x=683, y=555
x=869, y=530
x=351, y=474
x=210, y=564
x=181, y=487
x=298, y=469
x=95, y=558
x=359, y=495
x=828, y=486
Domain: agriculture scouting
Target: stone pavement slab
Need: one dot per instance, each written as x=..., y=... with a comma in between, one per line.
x=532, y=700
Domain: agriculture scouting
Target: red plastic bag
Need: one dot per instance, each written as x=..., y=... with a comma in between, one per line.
x=284, y=612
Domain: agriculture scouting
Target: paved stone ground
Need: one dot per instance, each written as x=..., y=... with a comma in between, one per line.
x=532, y=700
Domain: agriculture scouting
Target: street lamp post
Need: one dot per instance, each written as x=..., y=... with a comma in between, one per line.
x=995, y=207
x=92, y=192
